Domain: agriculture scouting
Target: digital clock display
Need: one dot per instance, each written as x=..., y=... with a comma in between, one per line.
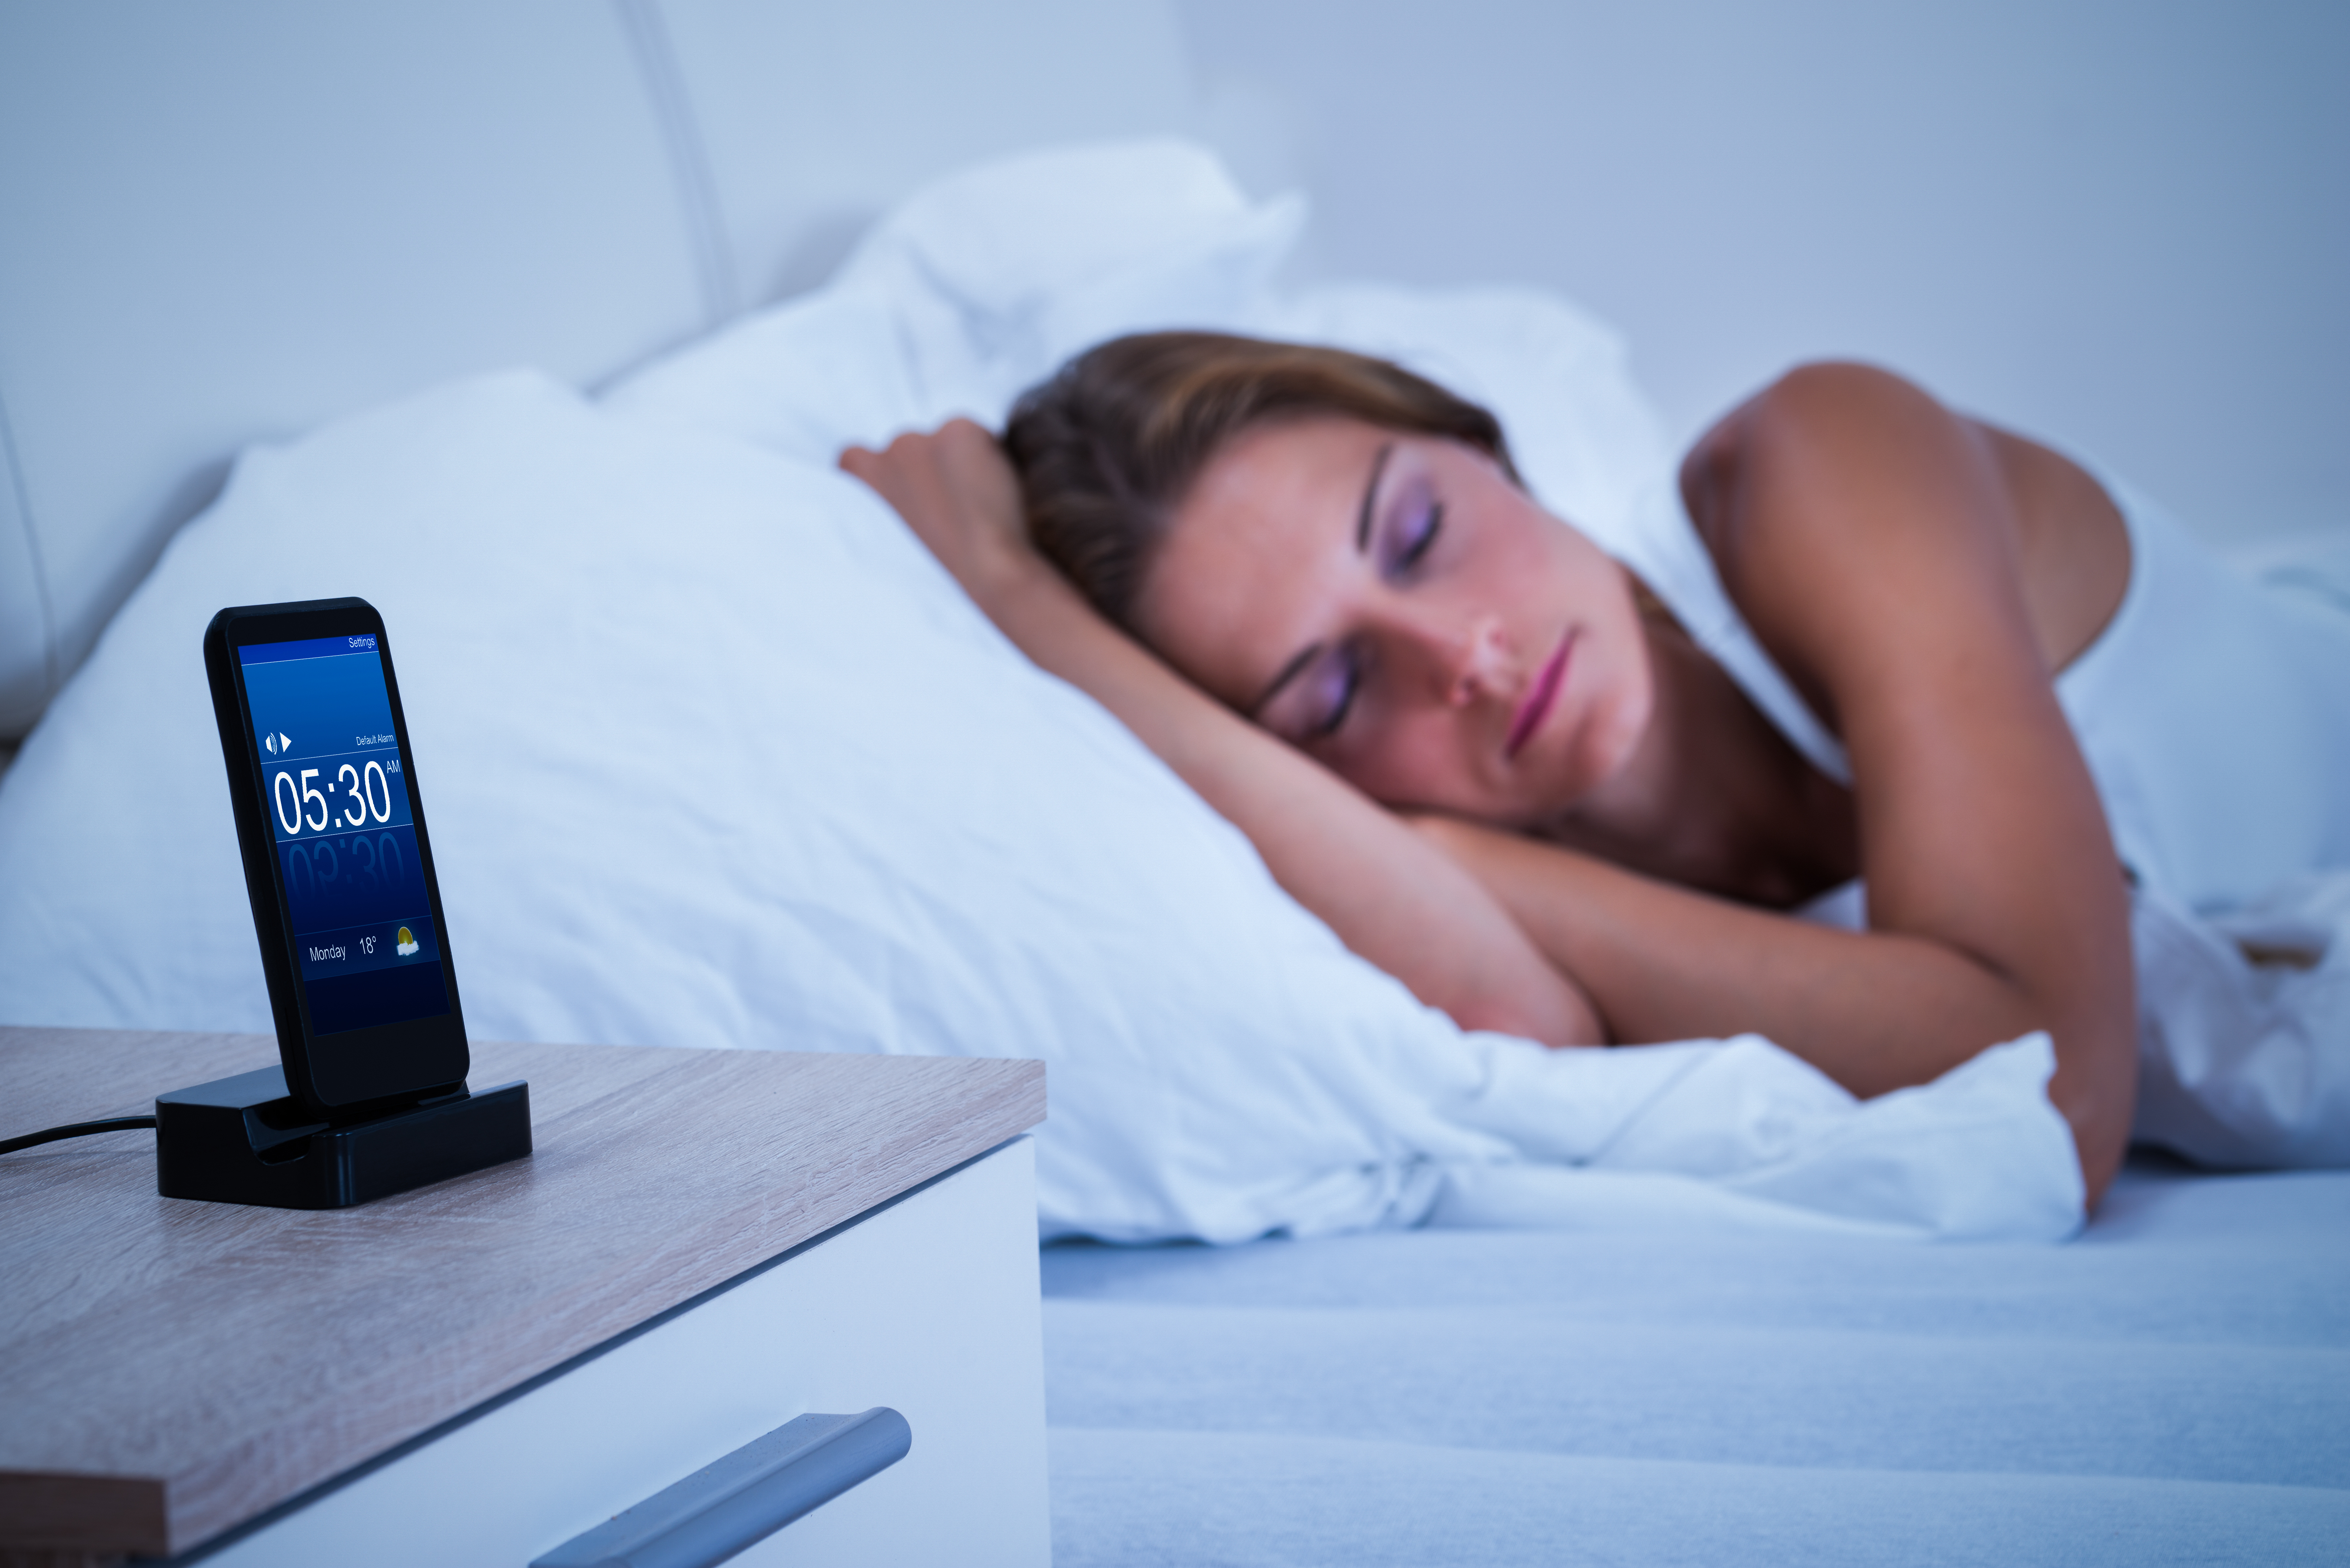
x=337, y=803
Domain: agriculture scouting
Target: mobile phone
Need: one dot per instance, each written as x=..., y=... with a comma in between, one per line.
x=337, y=859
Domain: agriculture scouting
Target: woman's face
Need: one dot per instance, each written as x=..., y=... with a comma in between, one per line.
x=1394, y=606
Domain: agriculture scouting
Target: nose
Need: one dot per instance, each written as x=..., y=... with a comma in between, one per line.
x=1464, y=658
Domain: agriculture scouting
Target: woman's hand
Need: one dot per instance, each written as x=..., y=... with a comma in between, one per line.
x=957, y=491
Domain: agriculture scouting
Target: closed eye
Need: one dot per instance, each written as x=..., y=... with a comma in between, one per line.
x=1431, y=523
x=1334, y=689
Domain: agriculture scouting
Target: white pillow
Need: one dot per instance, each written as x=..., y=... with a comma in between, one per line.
x=980, y=286
x=976, y=287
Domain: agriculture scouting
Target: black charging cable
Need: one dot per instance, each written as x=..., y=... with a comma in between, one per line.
x=76, y=1129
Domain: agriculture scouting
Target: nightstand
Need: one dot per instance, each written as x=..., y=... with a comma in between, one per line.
x=705, y=1246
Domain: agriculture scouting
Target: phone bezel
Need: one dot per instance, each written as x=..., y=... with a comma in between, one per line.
x=350, y=1074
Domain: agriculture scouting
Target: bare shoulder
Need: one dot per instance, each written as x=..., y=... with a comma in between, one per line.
x=1846, y=477
x=1848, y=444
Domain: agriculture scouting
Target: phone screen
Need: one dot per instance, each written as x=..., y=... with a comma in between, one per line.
x=337, y=806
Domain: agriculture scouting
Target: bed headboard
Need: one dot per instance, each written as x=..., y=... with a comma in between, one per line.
x=224, y=220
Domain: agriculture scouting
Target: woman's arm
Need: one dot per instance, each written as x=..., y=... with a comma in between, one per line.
x=1871, y=541
x=1876, y=1010
x=1390, y=895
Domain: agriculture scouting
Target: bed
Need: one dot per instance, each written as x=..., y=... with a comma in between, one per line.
x=2167, y=1388
x=501, y=373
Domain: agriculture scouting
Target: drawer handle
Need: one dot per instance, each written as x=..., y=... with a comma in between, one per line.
x=732, y=1503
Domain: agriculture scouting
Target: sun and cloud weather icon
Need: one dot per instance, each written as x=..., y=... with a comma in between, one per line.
x=407, y=943
x=278, y=745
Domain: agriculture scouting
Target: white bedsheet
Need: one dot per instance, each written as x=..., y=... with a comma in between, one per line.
x=2169, y=1389
x=2244, y=1026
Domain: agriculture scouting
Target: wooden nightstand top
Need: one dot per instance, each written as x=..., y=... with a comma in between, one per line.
x=171, y=1368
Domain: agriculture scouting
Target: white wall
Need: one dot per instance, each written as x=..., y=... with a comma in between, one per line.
x=229, y=222
x=2123, y=226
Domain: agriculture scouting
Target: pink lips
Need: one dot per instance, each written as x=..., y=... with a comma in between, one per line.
x=1536, y=706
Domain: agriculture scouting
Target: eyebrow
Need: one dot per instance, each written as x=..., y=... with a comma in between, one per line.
x=1312, y=652
x=1370, y=494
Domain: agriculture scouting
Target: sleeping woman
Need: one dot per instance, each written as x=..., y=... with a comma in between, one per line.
x=1499, y=767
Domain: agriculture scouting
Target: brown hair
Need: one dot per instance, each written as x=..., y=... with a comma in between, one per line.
x=1106, y=448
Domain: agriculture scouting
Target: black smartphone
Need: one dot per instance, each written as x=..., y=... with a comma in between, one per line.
x=337, y=859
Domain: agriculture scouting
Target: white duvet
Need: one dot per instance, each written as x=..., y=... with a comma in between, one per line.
x=714, y=755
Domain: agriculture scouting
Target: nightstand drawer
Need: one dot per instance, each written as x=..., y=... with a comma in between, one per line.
x=928, y=1305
